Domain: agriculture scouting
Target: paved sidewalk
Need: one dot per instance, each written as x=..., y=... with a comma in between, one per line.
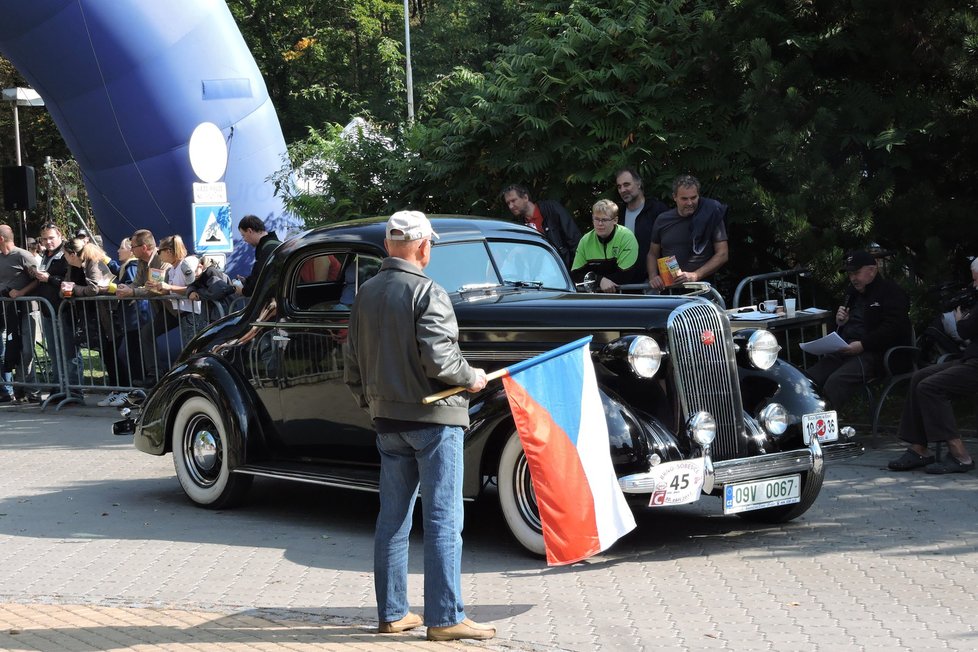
x=68, y=628
x=100, y=549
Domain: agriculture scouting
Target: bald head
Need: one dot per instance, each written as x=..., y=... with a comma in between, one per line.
x=6, y=233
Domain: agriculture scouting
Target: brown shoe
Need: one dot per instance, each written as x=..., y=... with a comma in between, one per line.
x=410, y=621
x=465, y=629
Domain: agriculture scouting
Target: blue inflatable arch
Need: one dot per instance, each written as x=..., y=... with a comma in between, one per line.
x=127, y=81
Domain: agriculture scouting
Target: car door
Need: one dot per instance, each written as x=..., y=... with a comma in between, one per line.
x=320, y=419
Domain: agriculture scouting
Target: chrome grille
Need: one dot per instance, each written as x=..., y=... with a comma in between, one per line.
x=706, y=373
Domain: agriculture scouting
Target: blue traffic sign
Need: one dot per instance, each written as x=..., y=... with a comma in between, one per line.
x=212, y=229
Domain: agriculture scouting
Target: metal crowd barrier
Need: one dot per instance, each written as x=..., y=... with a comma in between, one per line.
x=96, y=344
x=778, y=285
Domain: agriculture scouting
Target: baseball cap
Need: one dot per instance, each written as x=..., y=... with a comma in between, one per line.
x=411, y=225
x=856, y=260
x=82, y=233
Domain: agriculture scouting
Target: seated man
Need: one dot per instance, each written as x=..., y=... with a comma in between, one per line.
x=873, y=317
x=927, y=413
x=610, y=250
x=695, y=232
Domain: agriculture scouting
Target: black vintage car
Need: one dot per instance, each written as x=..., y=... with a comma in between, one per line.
x=261, y=392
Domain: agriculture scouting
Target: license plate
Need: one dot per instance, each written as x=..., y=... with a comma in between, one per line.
x=822, y=425
x=748, y=496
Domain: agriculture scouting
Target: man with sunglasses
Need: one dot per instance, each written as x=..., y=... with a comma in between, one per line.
x=143, y=244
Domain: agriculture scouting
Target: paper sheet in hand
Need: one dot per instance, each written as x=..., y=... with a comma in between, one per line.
x=828, y=344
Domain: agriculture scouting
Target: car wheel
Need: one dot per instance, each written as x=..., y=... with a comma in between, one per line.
x=516, y=497
x=200, y=445
x=810, y=488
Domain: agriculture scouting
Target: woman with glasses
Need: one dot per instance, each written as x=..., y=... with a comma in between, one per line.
x=610, y=250
x=181, y=274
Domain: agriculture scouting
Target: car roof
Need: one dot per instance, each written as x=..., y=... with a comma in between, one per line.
x=450, y=228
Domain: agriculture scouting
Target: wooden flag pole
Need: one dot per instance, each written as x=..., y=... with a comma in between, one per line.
x=499, y=373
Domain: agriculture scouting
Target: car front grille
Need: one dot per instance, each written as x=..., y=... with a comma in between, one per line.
x=701, y=350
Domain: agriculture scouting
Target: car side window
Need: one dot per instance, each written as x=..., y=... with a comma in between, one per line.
x=319, y=281
x=328, y=281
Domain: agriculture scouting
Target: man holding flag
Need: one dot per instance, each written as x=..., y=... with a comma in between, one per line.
x=403, y=345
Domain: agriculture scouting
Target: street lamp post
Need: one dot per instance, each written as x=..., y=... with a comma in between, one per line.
x=407, y=56
x=21, y=97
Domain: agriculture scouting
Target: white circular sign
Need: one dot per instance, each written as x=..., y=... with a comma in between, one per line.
x=208, y=152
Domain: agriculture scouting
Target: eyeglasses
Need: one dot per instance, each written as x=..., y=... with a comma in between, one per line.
x=603, y=220
x=49, y=225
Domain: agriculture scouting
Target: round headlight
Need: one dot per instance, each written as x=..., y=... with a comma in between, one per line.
x=762, y=349
x=774, y=418
x=644, y=356
x=703, y=427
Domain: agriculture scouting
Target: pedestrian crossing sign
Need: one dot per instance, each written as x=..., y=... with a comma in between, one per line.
x=212, y=229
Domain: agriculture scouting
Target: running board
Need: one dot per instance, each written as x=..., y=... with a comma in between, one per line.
x=358, y=482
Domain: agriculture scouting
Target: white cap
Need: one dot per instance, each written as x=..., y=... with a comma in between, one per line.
x=412, y=225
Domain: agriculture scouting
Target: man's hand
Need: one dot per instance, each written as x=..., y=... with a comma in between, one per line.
x=656, y=282
x=607, y=285
x=15, y=293
x=841, y=315
x=853, y=348
x=480, y=381
x=687, y=277
x=41, y=276
x=123, y=291
x=958, y=314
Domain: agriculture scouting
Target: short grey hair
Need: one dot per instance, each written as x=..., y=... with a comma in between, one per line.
x=685, y=181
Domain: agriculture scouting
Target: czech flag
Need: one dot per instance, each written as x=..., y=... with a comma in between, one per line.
x=560, y=419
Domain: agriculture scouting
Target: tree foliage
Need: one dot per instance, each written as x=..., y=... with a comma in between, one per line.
x=824, y=125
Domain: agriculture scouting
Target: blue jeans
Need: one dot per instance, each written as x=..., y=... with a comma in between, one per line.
x=432, y=459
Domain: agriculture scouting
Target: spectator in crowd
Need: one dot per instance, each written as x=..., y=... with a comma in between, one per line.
x=181, y=274
x=144, y=248
x=34, y=247
x=17, y=280
x=129, y=317
x=548, y=217
x=610, y=250
x=874, y=316
x=91, y=277
x=403, y=346
x=254, y=232
x=928, y=416
x=695, y=232
x=640, y=213
x=213, y=286
x=50, y=274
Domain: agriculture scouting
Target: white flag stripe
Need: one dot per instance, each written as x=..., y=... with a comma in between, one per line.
x=613, y=515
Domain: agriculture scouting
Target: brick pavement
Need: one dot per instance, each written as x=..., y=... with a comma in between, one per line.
x=99, y=537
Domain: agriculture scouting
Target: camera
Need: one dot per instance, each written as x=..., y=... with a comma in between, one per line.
x=953, y=295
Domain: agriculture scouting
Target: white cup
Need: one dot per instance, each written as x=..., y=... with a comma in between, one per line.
x=768, y=306
x=789, y=307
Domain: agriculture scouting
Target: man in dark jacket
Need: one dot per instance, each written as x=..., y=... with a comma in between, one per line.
x=874, y=316
x=403, y=346
x=548, y=217
x=639, y=214
x=253, y=231
x=928, y=415
x=50, y=273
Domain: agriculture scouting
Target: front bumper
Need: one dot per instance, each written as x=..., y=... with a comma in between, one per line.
x=803, y=460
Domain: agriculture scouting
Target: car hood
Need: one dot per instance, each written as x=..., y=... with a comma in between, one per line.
x=555, y=309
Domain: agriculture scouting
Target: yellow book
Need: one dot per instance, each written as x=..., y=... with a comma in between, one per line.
x=668, y=269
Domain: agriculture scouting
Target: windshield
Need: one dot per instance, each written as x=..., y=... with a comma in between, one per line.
x=456, y=265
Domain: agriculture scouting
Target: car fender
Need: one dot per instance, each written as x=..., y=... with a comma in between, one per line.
x=491, y=423
x=210, y=377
